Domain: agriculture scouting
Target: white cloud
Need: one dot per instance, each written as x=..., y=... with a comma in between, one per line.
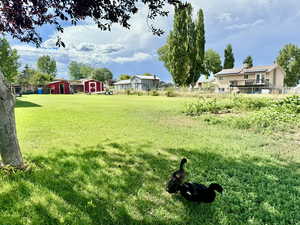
x=226, y=17
x=245, y=25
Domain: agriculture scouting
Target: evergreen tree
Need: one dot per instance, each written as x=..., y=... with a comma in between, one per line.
x=249, y=61
x=229, y=58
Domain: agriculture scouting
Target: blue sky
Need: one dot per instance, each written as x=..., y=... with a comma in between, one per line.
x=259, y=28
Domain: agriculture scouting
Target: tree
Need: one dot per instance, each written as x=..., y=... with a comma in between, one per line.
x=196, y=49
x=22, y=19
x=148, y=74
x=183, y=54
x=24, y=77
x=102, y=74
x=8, y=60
x=9, y=145
x=124, y=77
x=248, y=61
x=229, y=57
x=79, y=70
x=40, y=79
x=289, y=60
x=86, y=70
x=46, y=64
x=213, y=63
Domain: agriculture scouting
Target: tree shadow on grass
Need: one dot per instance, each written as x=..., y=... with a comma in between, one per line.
x=25, y=104
x=125, y=184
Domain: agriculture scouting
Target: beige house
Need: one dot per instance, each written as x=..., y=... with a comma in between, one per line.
x=257, y=79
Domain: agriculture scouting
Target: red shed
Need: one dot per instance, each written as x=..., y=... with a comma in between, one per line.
x=92, y=86
x=59, y=87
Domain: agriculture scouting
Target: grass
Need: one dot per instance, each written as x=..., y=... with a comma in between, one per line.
x=105, y=160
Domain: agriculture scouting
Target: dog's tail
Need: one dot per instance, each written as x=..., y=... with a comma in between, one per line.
x=216, y=187
x=183, y=161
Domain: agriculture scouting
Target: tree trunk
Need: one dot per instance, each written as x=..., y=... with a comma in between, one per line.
x=9, y=145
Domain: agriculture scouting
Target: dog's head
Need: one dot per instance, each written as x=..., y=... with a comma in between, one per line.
x=175, y=182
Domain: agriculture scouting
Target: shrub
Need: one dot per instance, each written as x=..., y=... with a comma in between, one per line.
x=205, y=105
x=128, y=92
x=154, y=93
x=251, y=103
x=170, y=92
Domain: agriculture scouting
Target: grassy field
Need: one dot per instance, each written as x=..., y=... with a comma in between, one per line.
x=106, y=159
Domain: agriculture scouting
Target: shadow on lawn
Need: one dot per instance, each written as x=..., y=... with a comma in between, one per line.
x=25, y=104
x=124, y=184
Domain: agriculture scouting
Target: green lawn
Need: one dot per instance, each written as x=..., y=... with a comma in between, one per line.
x=105, y=160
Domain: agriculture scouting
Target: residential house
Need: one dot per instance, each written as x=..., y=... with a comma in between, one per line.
x=138, y=83
x=205, y=82
x=257, y=79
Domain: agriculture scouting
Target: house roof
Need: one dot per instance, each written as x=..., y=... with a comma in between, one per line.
x=122, y=82
x=147, y=77
x=203, y=79
x=254, y=69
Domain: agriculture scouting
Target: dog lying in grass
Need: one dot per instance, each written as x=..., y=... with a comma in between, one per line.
x=191, y=191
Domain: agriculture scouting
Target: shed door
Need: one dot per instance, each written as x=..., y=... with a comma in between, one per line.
x=92, y=87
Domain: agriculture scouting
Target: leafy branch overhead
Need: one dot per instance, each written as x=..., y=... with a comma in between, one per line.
x=22, y=18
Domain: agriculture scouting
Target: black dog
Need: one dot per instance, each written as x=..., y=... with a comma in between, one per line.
x=177, y=178
x=199, y=192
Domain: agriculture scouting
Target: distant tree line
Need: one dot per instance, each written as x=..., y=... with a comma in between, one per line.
x=80, y=71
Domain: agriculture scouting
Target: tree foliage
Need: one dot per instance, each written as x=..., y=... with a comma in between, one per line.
x=102, y=74
x=212, y=61
x=289, y=60
x=248, y=61
x=24, y=78
x=21, y=19
x=183, y=54
x=79, y=70
x=228, y=57
x=8, y=60
x=124, y=77
x=40, y=79
x=46, y=64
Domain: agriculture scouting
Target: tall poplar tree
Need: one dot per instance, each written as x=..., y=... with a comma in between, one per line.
x=183, y=55
x=177, y=55
x=228, y=57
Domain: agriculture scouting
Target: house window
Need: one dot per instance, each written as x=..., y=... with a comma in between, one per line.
x=221, y=78
x=246, y=76
x=221, y=90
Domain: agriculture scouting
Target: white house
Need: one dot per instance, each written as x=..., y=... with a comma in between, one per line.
x=138, y=83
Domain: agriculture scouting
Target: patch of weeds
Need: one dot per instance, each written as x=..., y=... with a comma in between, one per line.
x=251, y=103
x=205, y=105
x=170, y=92
x=154, y=93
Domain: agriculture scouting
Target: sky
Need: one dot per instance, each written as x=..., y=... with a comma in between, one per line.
x=259, y=28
